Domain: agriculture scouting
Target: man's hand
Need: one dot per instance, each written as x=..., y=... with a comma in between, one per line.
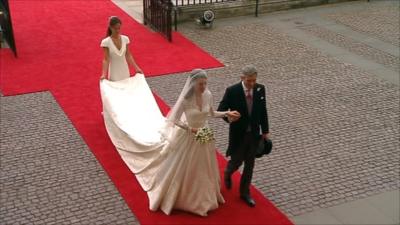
x=266, y=136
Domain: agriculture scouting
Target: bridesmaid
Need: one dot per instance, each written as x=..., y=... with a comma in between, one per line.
x=116, y=53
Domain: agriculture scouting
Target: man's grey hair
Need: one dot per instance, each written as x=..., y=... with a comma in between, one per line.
x=249, y=70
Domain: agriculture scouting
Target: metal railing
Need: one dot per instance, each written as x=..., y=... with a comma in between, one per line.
x=179, y=3
x=182, y=3
x=157, y=14
x=6, y=25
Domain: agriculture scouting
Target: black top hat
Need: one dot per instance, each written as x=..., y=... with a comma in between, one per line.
x=264, y=147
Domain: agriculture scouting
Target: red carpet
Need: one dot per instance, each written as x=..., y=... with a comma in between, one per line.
x=58, y=46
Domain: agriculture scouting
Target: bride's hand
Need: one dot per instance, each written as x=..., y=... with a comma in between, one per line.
x=194, y=130
x=233, y=115
x=102, y=77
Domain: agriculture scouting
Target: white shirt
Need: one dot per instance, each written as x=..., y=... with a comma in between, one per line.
x=245, y=94
x=246, y=89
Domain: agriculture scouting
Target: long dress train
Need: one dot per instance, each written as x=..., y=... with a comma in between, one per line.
x=177, y=172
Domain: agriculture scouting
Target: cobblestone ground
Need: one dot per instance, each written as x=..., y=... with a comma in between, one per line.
x=335, y=127
x=48, y=175
x=353, y=46
x=368, y=19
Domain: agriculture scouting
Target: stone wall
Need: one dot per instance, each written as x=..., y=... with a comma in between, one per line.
x=246, y=7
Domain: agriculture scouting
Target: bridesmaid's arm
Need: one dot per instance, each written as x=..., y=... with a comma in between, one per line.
x=106, y=63
x=130, y=60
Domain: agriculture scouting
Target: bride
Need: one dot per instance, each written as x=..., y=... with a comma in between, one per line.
x=175, y=169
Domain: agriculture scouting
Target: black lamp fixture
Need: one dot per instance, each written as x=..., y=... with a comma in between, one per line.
x=206, y=19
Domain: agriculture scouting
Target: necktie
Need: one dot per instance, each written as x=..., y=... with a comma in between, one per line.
x=249, y=100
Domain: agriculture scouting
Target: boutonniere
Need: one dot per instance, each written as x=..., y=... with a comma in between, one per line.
x=258, y=89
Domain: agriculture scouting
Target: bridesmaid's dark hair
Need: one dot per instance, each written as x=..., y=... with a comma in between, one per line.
x=111, y=22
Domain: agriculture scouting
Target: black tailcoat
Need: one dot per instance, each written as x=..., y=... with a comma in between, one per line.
x=235, y=99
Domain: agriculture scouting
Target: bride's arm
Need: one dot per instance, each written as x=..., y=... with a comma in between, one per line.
x=218, y=114
x=181, y=124
x=230, y=115
x=176, y=120
x=185, y=126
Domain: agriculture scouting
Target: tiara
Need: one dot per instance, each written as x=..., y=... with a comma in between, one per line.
x=198, y=73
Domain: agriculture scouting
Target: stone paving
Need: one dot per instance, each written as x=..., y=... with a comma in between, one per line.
x=48, y=175
x=352, y=45
x=335, y=127
x=368, y=19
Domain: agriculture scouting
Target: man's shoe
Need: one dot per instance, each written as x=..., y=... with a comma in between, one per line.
x=249, y=201
x=228, y=182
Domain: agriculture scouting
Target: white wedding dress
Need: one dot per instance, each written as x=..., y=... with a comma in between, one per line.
x=177, y=172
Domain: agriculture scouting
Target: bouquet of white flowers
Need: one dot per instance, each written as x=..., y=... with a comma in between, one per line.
x=204, y=135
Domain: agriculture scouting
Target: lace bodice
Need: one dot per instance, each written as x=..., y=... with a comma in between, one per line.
x=197, y=117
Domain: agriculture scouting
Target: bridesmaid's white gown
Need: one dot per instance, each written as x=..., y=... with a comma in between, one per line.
x=178, y=173
x=118, y=68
